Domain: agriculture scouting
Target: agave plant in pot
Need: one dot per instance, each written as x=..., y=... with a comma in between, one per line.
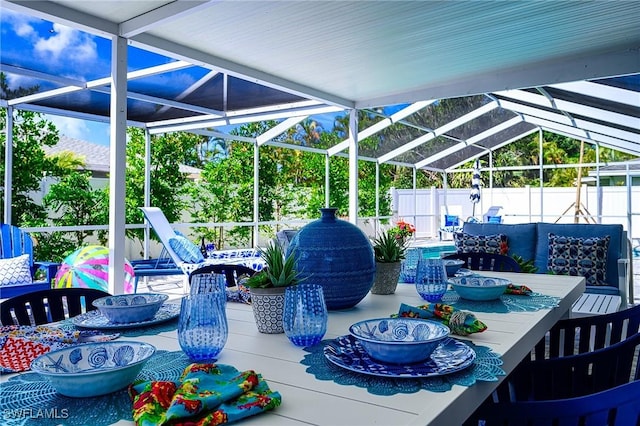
x=267, y=288
x=389, y=252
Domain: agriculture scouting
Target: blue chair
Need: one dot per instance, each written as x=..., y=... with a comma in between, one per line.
x=14, y=243
x=452, y=223
x=617, y=406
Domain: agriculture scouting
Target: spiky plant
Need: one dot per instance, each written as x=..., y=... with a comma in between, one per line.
x=280, y=270
x=387, y=248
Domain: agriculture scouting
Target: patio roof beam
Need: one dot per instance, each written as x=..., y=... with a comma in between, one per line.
x=601, y=91
x=382, y=124
x=279, y=129
x=471, y=141
x=439, y=131
x=220, y=135
x=160, y=15
x=584, y=125
x=571, y=107
x=229, y=120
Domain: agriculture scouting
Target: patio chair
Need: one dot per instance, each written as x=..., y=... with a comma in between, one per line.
x=617, y=406
x=451, y=221
x=17, y=265
x=486, y=262
x=186, y=255
x=50, y=305
x=284, y=237
x=580, y=335
x=492, y=215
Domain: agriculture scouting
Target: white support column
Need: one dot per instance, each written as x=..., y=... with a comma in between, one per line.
x=327, y=180
x=8, y=166
x=118, y=144
x=415, y=194
x=147, y=187
x=256, y=194
x=377, y=223
x=598, y=187
x=541, y=174
x=353, y=166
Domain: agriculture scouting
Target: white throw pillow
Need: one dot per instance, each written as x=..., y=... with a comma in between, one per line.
x=15, y=271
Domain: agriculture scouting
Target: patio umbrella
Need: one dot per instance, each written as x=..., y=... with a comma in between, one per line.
x=88, y=267
x=474, y=196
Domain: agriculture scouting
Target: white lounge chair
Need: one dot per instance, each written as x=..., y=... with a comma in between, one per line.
x=189, y=263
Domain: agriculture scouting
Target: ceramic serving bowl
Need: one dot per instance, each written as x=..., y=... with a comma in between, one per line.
x=399, y=340
x=128, y=308
x=452, y=266
x=477, y=287
x=93, y=369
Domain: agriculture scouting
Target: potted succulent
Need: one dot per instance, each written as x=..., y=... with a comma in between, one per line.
x=389, y=252
x=267, y=288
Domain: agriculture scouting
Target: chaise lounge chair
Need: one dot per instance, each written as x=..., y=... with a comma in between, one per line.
x=185, y=255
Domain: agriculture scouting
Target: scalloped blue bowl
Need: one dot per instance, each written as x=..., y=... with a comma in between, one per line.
x=93, y=369
x=128, y=308
x=399, y=340
x=479, y=288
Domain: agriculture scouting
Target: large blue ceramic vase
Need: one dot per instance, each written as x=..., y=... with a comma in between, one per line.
x=336, y=255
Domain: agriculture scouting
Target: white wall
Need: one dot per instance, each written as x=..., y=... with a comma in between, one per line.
x=520, y=205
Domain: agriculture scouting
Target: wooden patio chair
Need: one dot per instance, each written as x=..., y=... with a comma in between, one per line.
x=487, y=262
x=50, y=305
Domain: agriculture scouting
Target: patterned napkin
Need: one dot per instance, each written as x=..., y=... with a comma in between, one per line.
x=518, y=290
x=206, y=395
x=461, y=323
x=20, y=344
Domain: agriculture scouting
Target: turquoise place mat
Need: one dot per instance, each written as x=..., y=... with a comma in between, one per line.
x=27, y=399
x=487, y=368
x=505, y=304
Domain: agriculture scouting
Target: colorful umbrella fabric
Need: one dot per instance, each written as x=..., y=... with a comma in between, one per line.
x=88, y=267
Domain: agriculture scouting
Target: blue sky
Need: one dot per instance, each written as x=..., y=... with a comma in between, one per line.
x=59, y=50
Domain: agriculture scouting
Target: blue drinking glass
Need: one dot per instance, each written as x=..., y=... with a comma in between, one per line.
x=431, y=279
x=202, y=326
x=305, y=314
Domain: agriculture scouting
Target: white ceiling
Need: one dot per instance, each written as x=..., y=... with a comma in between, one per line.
x=372, y=53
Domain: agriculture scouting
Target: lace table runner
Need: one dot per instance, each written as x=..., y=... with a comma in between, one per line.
x=487, y=368
x=505, y=304
x=28, y=399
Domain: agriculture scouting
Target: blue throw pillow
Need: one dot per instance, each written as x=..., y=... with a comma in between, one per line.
x=586, y=257
x=185, y=249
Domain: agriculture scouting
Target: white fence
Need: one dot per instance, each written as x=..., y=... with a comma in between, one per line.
x=425, y=207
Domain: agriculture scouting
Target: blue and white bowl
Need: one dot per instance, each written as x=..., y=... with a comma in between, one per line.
x=479, y=288
x=128, y=308
x=93, y=369
x=452, y=266
x=399, y=340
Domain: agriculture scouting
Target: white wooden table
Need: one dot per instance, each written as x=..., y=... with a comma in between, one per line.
x=307, y=401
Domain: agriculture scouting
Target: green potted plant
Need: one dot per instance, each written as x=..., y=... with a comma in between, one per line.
x=267, y=288
x=389, y=252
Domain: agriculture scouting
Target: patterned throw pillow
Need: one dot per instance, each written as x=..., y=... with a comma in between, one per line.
x=185, y=249
x=586, y=257
x=466, y=243
x=15, y=271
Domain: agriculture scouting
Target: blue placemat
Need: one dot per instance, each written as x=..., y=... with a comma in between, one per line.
x=150, y=330
x=507, y=303
x=487, y=368
x=27, y=399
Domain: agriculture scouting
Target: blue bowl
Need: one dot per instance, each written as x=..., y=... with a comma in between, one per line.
x=93, y=369
x=452, y=266
x=479, y=288
x=129, y=308
x=399, y=340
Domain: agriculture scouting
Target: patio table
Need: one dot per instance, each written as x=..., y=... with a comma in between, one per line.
x=307, y=400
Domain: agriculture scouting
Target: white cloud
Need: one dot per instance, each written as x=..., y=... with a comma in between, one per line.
x=71, y=127
x=75, y=45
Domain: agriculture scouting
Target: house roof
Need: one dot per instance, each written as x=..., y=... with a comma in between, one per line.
x=567, y=67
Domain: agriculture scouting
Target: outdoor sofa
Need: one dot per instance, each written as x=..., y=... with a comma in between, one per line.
x=539, y=241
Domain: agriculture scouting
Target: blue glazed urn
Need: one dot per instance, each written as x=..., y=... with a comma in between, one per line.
x=337, y=255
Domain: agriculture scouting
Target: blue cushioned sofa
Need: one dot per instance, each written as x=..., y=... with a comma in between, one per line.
x=531, y=242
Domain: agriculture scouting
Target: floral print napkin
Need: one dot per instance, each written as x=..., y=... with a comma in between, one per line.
x=460, y=322
x=206, y=395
